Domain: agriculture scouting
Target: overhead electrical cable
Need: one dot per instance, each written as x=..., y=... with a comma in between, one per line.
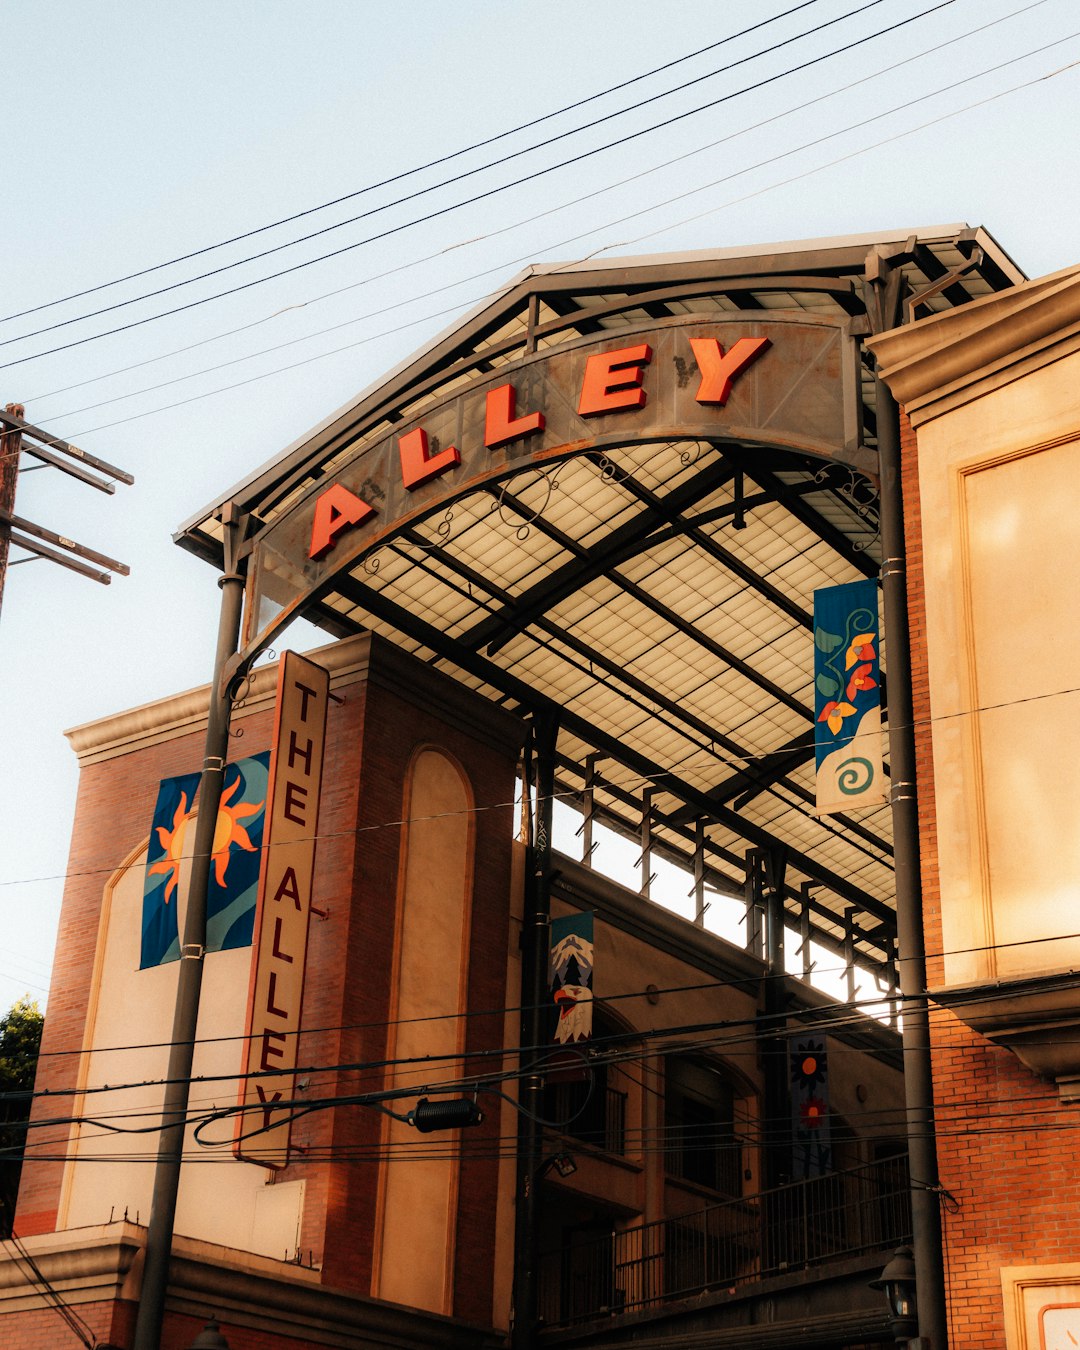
x=632, y=1045
x=710, y=211
x=432, y=215
x=732, y=760
x=420, y=168
x=501, y=268
x=471, y=173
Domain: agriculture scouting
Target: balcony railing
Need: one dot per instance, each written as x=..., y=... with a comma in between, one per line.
x=726, y=1246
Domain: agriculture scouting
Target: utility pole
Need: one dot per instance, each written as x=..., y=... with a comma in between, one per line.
x=10, y=449
x=18, y=438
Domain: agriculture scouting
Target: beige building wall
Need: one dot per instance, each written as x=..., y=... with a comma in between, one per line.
x=414, y=1244
x=220, y=1200
x=991, y=390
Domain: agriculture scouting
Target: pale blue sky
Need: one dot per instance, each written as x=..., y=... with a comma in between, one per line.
x=133, y=133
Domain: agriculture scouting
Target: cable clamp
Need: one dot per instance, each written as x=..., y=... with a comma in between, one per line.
x=213, y=764
x=192, y=951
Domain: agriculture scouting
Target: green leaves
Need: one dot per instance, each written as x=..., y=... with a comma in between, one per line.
x=826, y=642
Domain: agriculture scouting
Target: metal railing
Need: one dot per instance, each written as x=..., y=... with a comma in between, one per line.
x=594, y=1116
x=726, y=1246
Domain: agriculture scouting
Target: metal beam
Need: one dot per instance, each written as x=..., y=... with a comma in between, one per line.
x=480, y=666
x=533, y=604
x=592, y=563
x=793, y=500
x=797, y=897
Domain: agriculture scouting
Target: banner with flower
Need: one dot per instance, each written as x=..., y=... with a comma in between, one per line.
x=234, y=872
x=811, y=1135
x=847, y=697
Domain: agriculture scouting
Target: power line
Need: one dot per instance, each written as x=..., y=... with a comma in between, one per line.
x=633, y=780
x=435, y=214
x=431, y=164
x=633, y=1045
x=498, y=268
x=712, y=210
x=457, y=178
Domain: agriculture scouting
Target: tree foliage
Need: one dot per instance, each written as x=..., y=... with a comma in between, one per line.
x=20, y=1040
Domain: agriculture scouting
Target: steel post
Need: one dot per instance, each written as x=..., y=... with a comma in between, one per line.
x=189, y=984
x=535, y=947
x=918, y=1077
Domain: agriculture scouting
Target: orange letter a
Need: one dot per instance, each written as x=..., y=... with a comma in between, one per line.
x=337, y=509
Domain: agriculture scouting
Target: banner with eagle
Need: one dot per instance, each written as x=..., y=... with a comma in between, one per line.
x=570, y=977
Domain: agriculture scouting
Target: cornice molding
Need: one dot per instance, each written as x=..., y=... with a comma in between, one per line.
x=103, y=1263
x=365, y=658
x=940, y=363
x=178, y=715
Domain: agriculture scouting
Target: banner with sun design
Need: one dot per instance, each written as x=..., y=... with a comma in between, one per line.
x=847, y=698
x=811, y=1135
x=234, y=872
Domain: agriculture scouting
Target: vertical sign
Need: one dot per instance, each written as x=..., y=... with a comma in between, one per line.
x=281, y=920
x=811, y=1133
x=847, y=693
x=570, y=977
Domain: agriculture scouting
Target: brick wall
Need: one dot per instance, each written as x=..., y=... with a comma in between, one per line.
x=1007, y=1149
x=371, y=737
x=394, y=726
x=113, y=809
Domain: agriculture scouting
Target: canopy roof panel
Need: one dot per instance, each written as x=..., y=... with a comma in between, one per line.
x=655, y=585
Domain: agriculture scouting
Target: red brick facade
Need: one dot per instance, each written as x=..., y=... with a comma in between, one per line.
x=1007, y=1148
x=384, y=715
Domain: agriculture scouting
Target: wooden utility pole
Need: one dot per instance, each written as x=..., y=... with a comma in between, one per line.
x=10, y=448
x=19, y=437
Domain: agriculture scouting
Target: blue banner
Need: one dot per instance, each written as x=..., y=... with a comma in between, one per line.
x=234, y=868
x=810, y=1128
x=847, y=697
x=570, y=976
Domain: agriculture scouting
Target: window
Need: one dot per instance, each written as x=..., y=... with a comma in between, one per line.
x=699, y=1124
x=580, y=1099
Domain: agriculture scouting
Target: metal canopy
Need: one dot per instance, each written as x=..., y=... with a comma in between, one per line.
x=658, y=591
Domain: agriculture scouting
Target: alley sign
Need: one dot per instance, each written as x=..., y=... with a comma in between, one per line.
x=279, y=948
x=786, y=380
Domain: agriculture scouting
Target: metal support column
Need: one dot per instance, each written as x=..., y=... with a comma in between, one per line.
x=885, y=286
x=189, y=982
x=770, y=878
x=698, y=892
x=535, y=949
x=648, y=876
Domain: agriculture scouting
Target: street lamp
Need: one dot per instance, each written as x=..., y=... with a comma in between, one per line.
x=898, y=1282
x=210, y=1338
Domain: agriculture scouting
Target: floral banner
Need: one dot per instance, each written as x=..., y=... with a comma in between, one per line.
x=847, y=697
x=234, y=873
x=810, y=1130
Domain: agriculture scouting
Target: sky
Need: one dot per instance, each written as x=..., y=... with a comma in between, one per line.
x=149, y=133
